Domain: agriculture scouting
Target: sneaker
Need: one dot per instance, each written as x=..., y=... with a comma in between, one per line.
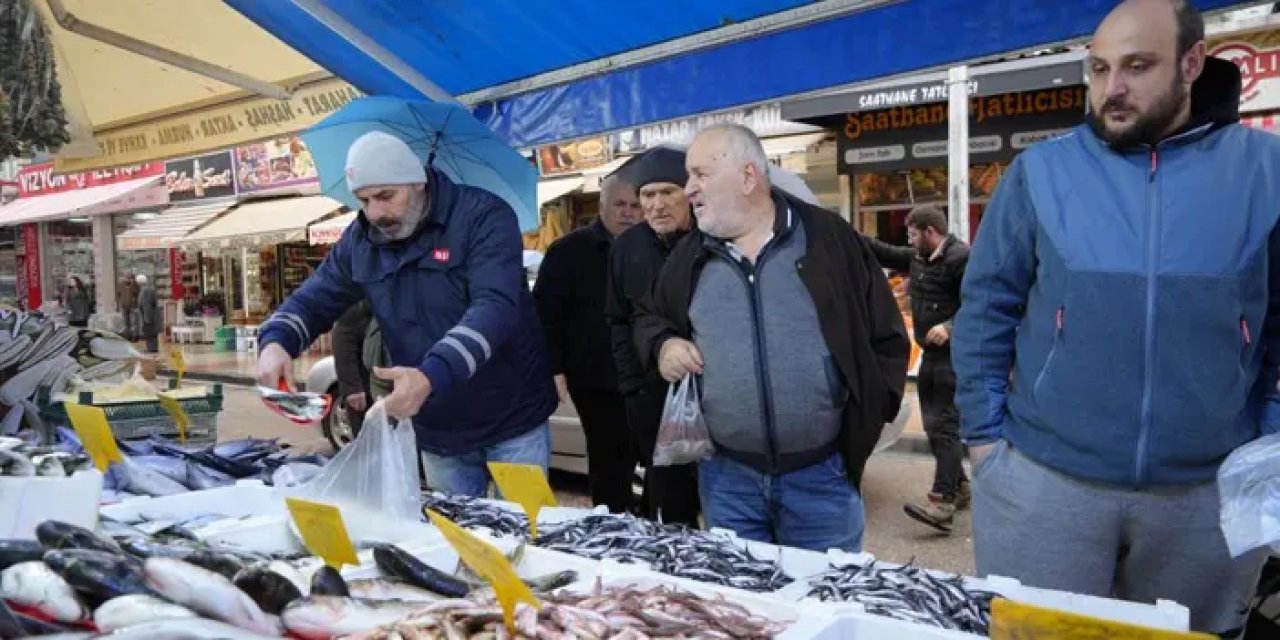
x=937, y=511
x=964, y=496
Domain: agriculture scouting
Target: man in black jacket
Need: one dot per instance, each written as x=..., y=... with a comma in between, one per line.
x=785, y=315
x=670, y=493
x=570, y=293
x=936, y=263
x=348, y=362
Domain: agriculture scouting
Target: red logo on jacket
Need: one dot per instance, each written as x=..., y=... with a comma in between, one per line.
x=440, y=255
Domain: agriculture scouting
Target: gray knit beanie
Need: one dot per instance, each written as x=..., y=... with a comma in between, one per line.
x=378, y=158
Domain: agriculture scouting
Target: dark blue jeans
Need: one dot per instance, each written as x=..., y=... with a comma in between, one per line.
x=812, y=508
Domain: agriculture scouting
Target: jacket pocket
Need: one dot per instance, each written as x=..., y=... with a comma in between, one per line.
x=1059, y=318
x=837, y=389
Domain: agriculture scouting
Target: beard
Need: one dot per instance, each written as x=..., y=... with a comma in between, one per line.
x=396, y=230
x=1148, y=127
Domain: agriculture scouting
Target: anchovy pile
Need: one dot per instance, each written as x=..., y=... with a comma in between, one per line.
x=471, y=513
x=676, y=551
x=907, y=593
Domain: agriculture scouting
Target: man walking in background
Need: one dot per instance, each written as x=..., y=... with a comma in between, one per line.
x=570, y=293
x=936, y=262
x=1128, y=275
x=670, y=493
x=785, y=315
x=128, y=298
x=149, y=313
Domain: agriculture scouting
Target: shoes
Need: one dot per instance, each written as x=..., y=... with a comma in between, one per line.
x=937, y=511
x=964, y=496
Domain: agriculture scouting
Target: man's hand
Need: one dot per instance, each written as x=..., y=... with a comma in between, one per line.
x=979, y=453
x=409, y=390
x=357, y=402
x=678, y=358
x=938, y=335
x=274, y=365
x=562, y=388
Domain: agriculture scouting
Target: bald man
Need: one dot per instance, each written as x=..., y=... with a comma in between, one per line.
x=1128, y=274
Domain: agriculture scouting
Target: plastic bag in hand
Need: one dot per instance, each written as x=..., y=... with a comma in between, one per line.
x=1249, y=488
x=682, y=436
x=373, y=480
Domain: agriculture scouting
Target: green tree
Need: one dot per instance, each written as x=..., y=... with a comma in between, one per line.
x=31, y=113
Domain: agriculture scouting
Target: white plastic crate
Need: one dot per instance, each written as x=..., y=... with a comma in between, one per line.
x=26, y=502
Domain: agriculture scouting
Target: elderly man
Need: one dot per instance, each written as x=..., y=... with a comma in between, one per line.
x=670, y=493
x=785, y=314
x=570, y=293
x=1128, y=275
x=440, y=264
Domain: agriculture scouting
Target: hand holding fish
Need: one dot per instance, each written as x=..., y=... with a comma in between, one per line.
x=678, y=359
x=410, y=389
x=274, y=365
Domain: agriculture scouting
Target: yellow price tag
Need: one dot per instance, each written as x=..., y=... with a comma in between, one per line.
x=95, y=434
x=526, y=485
x=178, y=362
x=323, y=531
x=180, y=417
x=1017, y=621
x=489, y=564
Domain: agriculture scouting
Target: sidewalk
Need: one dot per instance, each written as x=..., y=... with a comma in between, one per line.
x=207, y=364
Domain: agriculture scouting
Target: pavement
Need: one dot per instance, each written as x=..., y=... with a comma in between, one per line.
x=891, y=479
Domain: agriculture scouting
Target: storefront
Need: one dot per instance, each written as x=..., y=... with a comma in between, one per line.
x=65, y=223
x=1256, y=51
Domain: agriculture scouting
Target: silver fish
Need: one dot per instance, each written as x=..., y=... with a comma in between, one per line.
x=333, y=616
x=126, y=611
x=135, y=478
x=49, y=466
x=35, y=585
x=15, y=464
x=207, y=593
x=186, y=629
x=382, y=589
x=906, y=593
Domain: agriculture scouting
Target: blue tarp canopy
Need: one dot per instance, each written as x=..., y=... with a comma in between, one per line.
x=464, y=47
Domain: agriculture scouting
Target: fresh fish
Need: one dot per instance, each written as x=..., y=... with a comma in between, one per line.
x=906, y=593
x=97, y=573
x=334, y=616
x=15, y=464
x=36, y=627
x=172, y=468
x=187, y=629
x=326, y=581
x=292, y=474
x=472, y=513
x=127, y=611
x=206, y=593
x=290, y=573
x=135, y=478
x=383, y=589
x=16, y=551
x=61, y=535
x=118, y=531
x=35, y=585
x=136, y=448
x=49, y=466
x=269, y=589
x=144, y=548
x=552, y=581
x=68, y=440
x=224, y=564
x=198, y=478
x=246, y=447
x=397, y=563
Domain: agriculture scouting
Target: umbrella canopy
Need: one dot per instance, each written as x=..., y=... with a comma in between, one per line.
x=444, y=136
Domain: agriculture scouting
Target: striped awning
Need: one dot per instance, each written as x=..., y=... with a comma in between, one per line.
x=171, y=225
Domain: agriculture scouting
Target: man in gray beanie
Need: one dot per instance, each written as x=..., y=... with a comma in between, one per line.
x=670, y=493
x=440, y=264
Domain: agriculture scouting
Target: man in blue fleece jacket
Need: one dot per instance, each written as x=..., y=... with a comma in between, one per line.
x=1127, y=274
x=441, y=266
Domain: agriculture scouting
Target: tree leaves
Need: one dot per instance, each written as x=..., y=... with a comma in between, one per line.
x=31, y=113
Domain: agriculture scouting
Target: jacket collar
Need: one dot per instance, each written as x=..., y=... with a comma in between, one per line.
x=784, y=222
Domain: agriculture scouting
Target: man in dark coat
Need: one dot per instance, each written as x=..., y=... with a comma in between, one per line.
x=348, y=360
x=149, y=310
x=570, y=293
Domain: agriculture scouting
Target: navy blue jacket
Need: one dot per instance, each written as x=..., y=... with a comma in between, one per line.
x=452, y=300
x=1135, y=297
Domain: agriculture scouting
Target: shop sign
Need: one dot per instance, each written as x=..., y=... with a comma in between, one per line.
x=206, y=176
x=220, y=127
x=42, y=180
x=31, y=255
x=765, y=120
x=573, y=157
x=1257, y=54
x=176, y=289
x=274, y=164
x=913, y=137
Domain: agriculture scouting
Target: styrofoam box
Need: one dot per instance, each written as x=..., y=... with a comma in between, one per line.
x=800, y=564
x=26, y=502
x=871, y=627
x=536, y=562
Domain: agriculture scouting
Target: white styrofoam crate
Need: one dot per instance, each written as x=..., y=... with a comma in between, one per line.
x=861, y=626
x=26, y=502
x=535, y=563
x=242, y=499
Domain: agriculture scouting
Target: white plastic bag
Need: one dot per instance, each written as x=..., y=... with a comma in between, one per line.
x=373, y=481
x=1249, y=488
x=682, y=436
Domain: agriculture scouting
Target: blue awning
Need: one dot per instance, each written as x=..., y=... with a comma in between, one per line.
x=465, y=47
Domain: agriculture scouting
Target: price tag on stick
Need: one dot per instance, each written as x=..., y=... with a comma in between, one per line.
x=179, y=415
x=1014, y=620
x=90, y=423
x=178, y=362
x=489, y=564
x=323, y=531
x=525, y=484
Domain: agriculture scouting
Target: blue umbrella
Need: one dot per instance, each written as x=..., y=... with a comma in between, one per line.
x=445, y=136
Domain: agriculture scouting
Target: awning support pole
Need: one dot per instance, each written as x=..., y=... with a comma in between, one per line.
x=362, y=41
x=70, y=22
x=958, y=152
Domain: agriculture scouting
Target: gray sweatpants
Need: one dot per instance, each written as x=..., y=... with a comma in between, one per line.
x=1052, y=531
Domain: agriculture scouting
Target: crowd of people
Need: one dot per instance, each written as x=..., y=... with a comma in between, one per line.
x=1113, y=333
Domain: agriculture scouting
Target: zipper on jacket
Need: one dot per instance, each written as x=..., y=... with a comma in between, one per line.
x=762, y=359
x=1053, y=348
x=1148, y=355
x=1244, y=331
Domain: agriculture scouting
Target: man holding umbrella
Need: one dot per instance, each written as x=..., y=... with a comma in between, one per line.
x=440, y=263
